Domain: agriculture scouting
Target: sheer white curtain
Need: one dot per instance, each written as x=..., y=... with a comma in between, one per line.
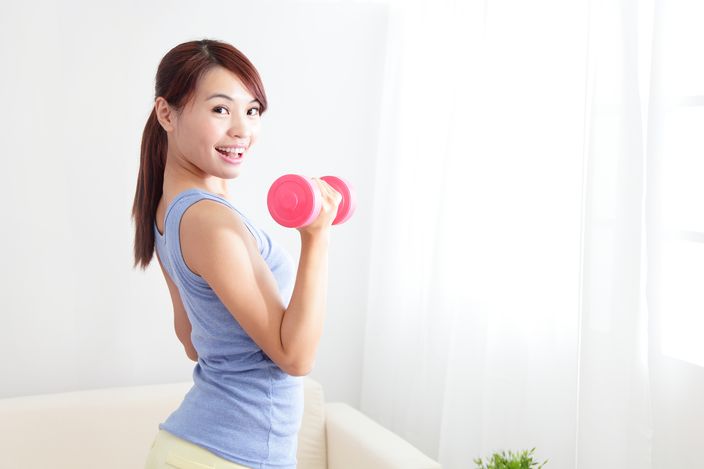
x=507, y=287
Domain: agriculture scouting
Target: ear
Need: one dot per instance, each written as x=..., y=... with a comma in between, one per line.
x=164, y=114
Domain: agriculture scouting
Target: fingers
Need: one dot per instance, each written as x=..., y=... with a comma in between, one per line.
x=327, y=191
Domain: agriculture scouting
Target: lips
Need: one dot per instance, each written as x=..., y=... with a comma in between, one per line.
x=230, y=159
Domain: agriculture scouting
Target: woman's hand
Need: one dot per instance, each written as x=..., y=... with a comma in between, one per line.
x=330, y=200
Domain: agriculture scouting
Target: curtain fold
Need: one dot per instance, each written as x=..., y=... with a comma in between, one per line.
x=614, y=420
x=506, y=306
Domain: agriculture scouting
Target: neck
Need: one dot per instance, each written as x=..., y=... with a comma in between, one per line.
x=178, y=177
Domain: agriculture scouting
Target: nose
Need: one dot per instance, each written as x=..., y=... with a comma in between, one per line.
x=240, y=126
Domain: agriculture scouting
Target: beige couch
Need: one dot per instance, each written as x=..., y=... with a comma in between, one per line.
x=113, y=428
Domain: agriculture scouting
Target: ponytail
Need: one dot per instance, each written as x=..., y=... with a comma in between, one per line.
x=149, y=189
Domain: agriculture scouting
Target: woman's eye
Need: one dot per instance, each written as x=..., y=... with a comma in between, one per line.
x=222, y=107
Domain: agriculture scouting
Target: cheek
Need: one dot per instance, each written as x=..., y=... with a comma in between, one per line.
x=207, y=137
x=212, y=132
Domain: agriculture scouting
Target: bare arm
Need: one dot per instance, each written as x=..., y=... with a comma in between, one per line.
x=217, y=246
x=302, y=324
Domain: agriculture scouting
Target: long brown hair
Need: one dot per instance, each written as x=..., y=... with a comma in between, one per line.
x=176, y=80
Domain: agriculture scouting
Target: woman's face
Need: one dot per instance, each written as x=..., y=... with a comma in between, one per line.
x=221, y=113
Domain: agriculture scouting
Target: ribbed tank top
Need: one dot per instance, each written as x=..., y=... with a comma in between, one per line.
x=242, y=406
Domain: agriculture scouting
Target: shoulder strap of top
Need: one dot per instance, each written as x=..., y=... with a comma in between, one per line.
x=190, y=196
x=169, y=246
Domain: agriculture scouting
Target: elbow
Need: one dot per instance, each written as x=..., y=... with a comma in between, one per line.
x=191, y=352
x=188, y=346
x=301, y=369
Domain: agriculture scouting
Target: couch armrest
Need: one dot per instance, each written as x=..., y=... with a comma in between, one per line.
x=355, y=441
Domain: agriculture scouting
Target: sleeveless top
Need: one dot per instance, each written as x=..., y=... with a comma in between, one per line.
x=242, y=406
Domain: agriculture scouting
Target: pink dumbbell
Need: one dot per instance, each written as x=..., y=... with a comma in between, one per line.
x=295, y=201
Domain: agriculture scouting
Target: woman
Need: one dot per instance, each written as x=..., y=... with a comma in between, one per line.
x=251, y=323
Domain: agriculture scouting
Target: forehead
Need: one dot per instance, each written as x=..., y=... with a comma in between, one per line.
x=221, y=80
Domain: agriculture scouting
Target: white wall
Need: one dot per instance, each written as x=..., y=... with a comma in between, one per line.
x=77, y=87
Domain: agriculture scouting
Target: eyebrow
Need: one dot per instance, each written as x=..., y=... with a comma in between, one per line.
x=220, y=95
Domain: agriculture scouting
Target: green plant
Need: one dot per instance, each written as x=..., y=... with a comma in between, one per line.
x=522, y=460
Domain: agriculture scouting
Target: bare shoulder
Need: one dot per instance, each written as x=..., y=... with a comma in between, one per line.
x=207, y=226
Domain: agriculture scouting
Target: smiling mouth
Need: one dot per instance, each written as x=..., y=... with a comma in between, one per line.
x=231, y=157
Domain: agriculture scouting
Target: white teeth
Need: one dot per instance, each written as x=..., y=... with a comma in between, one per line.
x=237, y=150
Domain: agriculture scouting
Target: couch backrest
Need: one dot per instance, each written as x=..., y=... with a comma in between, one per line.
x=312, y=449
x=114, y=427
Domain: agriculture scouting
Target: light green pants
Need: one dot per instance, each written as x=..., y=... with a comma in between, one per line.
x=169, y=451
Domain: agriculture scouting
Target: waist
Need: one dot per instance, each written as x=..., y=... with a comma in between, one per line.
x=253, y=417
